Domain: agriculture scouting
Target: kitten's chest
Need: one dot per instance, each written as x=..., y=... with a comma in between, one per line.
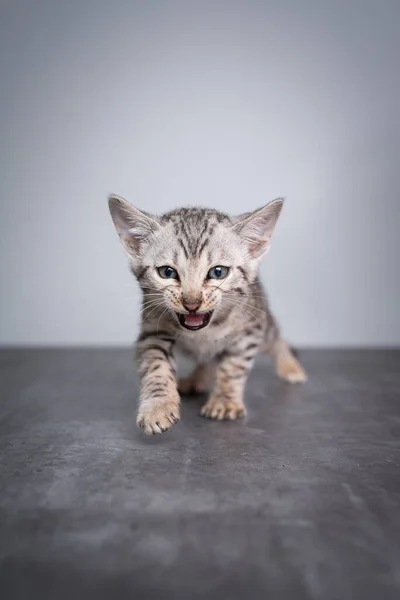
x=203, y=345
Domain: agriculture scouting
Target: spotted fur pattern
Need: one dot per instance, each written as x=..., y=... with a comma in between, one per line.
x=192, y=241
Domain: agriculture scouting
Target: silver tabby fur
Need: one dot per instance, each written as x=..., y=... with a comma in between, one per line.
x=192, y=241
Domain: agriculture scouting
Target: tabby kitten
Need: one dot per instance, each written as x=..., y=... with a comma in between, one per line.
x=198, y=271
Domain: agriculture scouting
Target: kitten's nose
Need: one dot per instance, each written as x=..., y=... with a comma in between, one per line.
x=192, y=305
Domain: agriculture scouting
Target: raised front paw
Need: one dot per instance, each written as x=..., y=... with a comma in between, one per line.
x=223, y=408
x=157, y=415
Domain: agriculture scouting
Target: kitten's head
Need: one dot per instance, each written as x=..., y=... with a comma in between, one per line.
x=194, y=262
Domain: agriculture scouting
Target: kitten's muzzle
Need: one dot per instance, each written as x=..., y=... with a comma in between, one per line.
x=194, y=320
x=191, y=301
x=192, y=307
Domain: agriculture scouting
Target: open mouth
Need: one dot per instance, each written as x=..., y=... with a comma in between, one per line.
x=194, y=321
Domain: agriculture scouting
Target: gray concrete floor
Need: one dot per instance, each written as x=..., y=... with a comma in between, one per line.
x=302, y=500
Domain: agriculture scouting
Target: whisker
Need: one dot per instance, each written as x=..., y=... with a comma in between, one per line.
x=151, y=303
x=152, y=294
x=237, y=295
x=158, y=322
x=151, y=312
x=245, y=310
x=159, y=296
x=152, y=300
x=251, y=306
x=150, y=308
x=244, y=296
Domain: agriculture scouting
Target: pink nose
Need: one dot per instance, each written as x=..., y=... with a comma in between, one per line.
x=192, y=307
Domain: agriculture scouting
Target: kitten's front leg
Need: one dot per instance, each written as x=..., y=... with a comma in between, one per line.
x=159, y=397
x=226, y=400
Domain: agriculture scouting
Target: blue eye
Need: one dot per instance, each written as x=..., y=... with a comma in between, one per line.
x=167, y=273
x=218, y=272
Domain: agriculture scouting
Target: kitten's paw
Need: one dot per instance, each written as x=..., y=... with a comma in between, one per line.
x=290, y=370
x=157, y=417
x=221, y=408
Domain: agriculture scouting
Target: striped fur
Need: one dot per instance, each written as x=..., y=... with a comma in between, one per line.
x=192, y=241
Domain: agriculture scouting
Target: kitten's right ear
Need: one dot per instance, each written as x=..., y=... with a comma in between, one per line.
x=133, y=226
x=256, y=227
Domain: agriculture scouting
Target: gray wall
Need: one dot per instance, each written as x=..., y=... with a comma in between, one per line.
x=227, y=104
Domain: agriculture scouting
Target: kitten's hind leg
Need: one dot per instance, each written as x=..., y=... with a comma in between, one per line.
x=199, y=381
x=286, y=364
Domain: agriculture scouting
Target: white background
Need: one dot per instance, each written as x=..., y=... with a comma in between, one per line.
x=225, y=104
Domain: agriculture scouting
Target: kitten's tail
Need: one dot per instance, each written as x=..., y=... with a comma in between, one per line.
x=285, y=357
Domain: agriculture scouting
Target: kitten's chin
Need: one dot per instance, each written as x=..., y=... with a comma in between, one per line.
x=195, y=321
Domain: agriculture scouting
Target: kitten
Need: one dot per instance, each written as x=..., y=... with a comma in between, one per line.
x=198, y=271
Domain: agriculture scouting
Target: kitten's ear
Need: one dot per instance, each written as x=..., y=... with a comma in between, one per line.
x=257, y=227
x=133, y=226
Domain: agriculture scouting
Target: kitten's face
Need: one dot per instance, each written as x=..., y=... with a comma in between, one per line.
x=195, y=263
x=196, y=272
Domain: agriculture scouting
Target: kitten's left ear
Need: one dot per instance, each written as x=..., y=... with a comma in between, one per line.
x=256, y=228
